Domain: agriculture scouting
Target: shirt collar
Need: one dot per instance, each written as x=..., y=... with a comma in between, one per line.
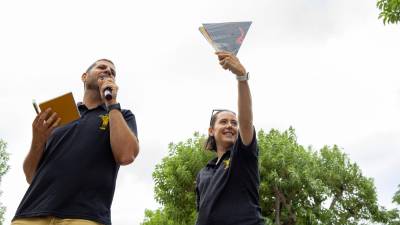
x=213, y=162
x=83, y=107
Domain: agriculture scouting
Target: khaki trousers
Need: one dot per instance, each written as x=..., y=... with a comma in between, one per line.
x=51, y=220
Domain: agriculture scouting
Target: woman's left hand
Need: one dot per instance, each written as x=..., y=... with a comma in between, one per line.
x=230, y=62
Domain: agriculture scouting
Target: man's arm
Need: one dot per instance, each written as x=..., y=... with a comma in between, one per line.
x=245, y=117
x=124, y=143
x=42, y=127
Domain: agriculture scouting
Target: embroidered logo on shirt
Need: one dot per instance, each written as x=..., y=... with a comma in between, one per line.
x=104, y=121
x=226, y=163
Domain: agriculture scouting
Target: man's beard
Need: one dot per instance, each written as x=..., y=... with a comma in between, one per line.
x=92, y=84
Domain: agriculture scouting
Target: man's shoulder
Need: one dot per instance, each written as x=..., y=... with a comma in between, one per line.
x=127, y=112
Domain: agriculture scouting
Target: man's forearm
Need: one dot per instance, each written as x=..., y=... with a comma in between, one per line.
x=124, y=143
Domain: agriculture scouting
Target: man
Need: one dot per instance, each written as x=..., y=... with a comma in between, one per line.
x=72, y=169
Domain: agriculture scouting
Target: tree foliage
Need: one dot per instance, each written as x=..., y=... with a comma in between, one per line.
x=394, y=214
x=175, y=183
x=301, y=186
x=298, y=185
x=396, y=198
x=4, y=156
x=390, y=11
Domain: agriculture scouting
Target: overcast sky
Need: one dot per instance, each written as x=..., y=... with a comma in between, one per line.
x=329, y=68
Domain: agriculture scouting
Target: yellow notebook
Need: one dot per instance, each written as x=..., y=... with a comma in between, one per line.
x=64, y=106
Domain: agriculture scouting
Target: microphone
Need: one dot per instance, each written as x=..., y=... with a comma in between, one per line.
x=107, y=93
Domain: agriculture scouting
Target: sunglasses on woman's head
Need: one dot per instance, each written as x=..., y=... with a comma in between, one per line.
x=215, y=111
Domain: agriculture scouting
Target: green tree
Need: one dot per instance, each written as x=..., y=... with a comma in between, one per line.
x=396, y=198
x=390, y=11
x=301, y=186
x=157, y=217
x=175, y=183
x=298, y=185
x=394, y=214
x=4, y=156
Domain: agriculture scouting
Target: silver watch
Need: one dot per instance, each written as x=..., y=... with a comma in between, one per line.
x=243, y=78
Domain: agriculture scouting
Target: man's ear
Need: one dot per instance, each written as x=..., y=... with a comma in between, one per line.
x=84, y=77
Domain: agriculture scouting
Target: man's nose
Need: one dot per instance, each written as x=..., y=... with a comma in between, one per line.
x=108, y=70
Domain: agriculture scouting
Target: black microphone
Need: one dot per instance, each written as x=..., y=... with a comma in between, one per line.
x=108, y=93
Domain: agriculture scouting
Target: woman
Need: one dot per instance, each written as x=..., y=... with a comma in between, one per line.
x=227, y=188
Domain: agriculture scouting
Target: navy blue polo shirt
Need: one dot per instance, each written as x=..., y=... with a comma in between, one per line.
x=227, y=191
x=77, y=173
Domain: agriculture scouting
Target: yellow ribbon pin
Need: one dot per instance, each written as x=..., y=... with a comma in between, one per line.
x=104, y=121
x=226, y=163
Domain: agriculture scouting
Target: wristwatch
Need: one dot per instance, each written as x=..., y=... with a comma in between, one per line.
x=116, y=106
x=243, y=78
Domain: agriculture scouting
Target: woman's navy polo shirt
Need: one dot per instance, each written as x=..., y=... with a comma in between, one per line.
x=77, y=173
x=227, y=191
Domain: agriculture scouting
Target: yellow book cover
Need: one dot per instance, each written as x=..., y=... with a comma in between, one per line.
x=64, y=106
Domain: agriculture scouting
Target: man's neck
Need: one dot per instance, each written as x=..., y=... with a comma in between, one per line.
x=92, y=98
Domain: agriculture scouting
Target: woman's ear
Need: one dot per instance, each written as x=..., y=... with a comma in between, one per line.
x=211, y=131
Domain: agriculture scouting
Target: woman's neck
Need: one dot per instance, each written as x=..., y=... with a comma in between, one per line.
x=221, y=150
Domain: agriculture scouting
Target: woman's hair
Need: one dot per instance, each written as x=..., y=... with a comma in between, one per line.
x=210, y=143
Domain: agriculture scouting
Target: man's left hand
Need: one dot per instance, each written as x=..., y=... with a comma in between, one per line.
x=108, y=82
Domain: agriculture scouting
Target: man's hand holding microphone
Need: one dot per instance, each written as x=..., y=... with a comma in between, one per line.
x=108, y=89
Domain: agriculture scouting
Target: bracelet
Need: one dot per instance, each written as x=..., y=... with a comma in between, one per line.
x=243, y=78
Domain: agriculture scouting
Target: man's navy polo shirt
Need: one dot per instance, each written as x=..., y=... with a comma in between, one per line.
x=76, y=175
x=227, y=191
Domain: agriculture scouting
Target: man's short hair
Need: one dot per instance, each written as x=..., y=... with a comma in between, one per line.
x=91, y=66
